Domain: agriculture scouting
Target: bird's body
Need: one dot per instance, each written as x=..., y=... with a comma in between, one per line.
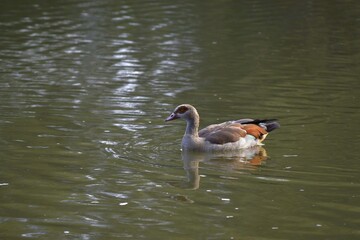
x=227, y=136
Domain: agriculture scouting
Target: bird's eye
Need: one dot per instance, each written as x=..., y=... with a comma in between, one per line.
x=182, y=109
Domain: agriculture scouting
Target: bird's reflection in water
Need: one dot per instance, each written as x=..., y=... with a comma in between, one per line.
x=246, y=159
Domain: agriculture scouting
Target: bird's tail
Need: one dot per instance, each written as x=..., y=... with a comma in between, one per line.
x=268, y=124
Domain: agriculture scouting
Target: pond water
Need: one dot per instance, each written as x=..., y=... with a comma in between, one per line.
x=85, y=87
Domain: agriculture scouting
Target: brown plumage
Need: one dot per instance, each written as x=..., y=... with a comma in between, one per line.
x=255, y=130
x=223, y=133
x=229, y=135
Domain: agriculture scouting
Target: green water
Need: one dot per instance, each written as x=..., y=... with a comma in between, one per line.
x=85, y=87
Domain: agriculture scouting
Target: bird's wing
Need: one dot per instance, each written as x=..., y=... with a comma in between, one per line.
x=223, y=133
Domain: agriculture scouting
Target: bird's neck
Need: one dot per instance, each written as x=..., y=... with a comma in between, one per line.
x=192, y=126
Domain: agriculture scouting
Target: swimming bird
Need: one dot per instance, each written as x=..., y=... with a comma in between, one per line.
x=226, y=136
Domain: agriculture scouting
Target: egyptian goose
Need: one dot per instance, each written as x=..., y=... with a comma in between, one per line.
x=227, y=136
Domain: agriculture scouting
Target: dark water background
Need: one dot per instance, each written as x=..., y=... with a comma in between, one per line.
x=85, y=87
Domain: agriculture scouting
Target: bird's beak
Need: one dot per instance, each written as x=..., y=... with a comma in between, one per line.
x=172, y=116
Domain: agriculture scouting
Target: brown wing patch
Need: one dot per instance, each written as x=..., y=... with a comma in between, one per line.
x=230, y=133
x=255, y=130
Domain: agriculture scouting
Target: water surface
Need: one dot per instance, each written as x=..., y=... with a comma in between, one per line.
x=85, y=87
